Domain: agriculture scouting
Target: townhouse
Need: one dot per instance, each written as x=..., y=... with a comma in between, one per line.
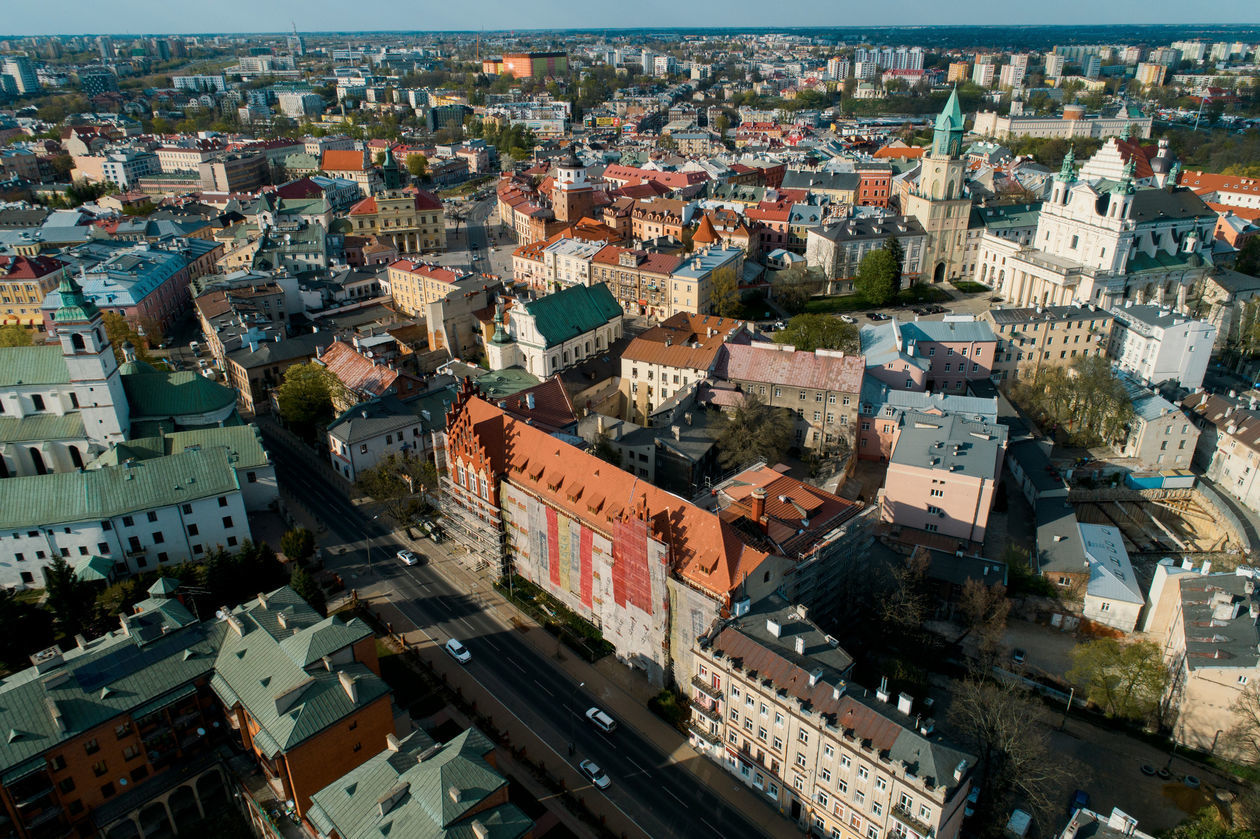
x=1050, y=336
x=24, y=283
x=1160, y=436
x=929, y=355
x=143, y=283
x=671, y=357
x=703, y=274
x=414, y=285
x=411, y=220
x=882, y=410
x=639, y=279
x=838, y=248
x=1228, y=448
x=773, y=703
x=822, y=389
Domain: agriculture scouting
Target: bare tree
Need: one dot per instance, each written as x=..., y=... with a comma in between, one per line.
x=1245, y=735
x=908, y=605
x=1001, y=724
x=983, y=610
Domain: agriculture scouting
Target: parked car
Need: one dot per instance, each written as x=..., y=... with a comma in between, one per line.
x=591, y=770
x=936, y=309
x=848, y=318
x=601, y=720
x=877, y=316
x=457, y=651
x=409, y=557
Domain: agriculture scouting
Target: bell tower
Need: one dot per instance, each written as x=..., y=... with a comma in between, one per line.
x=94, y=378
x=573, y=196
x=939, y=202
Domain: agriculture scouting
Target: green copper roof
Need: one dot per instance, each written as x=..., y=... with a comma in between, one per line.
x=98, y=494
x=36, y=428
x=74, y=303
x=571, y=311
x=406, y=791
x=242, y=442
x=950, y=118
x=33, y=366
x=174, y=394
x=1067, y=172
x=501, y=383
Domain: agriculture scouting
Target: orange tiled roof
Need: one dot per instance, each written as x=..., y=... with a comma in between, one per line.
x=704, y=550
x=361, y=375
x=343, y=160
x=705, y=234
x=892, y=152
x=1204, y=182
x=436, y=272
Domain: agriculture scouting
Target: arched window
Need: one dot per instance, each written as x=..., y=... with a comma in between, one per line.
x=76, y=458
x=76, y=341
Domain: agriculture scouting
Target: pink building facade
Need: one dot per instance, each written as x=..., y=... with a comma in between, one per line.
x=929, y=355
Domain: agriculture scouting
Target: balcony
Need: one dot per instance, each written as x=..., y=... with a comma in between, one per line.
x=705, y=735
x=707, y=713
x=707, y=687
x=911, y=821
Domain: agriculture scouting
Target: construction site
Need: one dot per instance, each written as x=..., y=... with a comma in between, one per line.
x=1156, y=523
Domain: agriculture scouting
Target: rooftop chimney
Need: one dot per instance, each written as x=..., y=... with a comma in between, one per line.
x=800, y=645
x=758, y=503
x=773, y=627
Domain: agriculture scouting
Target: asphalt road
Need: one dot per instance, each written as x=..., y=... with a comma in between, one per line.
x=663, y=798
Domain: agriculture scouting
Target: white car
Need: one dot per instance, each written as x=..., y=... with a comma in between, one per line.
x=848, y=318
x=408, y=557
x=457, y=651
x=591, y=770
x=601, y=720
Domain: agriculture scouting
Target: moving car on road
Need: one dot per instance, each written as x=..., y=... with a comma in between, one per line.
x=601, y=720
x=457, y=651
x=409, y=557
x=591, y=770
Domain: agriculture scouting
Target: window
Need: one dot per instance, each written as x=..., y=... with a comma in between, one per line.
x=58, y=762
x=778, y=741
x=907, y=803
x=222, y=500
x=735, y=691
x=764, y=709
x=227, y=521
x=925, y=813
x=937, y=493
x=762, y=733
x=803, y=736
x=881, y=783
x=822, y=798
x=91, y=746
x=37, y=401
x=747, y=724
x=825, y=774
x=1242, y=680
x=877, y=808
x=872, y=832
x=1106, y=607
x=798, y=782
x=734, y=715
x=128, y=521
x=131, y=752
x=158, y=538
x=800, y=760
x=121, y=731
x=844, y=761
x=100, y=768
x=842, y=785
x=828, y=751
x=863, y=772
x=66, y=785
x=859, y=797
x=778, y=718
x=750, y=702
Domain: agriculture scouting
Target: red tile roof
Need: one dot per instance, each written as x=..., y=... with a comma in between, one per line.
x=704, y=551
x=28, y=267
x=1205, y=182
x=685, y=340
x=424, y=269
x=343, y=160
x=364, y=376
x=766, y=362
x=552, y=411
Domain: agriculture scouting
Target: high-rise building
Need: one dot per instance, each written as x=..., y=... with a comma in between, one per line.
x=106, y=46
x=95, y=82
x=982, y=75
x=959, y=72
x=21, y=68
x=1091, y=67
x=1190, y=50
x=1054, y=65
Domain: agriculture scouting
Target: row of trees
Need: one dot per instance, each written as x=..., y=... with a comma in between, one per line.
x=1086, y=402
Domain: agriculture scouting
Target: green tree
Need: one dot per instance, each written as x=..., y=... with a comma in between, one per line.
x=298, y=544
x=305, y=396
x=605, y=450
x=815, y=332
x=874, y=280
x=792, y=287
x=418, y=166
x=1087, y=403
x=1124, y=680
x=893, y=245
x=120, y=331
x=16, y=335
x=1208, y=825
x=70, y=599
x=1248, y=259
x=400, y=484
x=754, y=431
x=379, y=158
x=722, y=125
x=24, y=628
x=306, y=587
x=724, y=292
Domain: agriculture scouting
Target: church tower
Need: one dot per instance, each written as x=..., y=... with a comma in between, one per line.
x=939, y=201
x=572, y=197
x=96, y=384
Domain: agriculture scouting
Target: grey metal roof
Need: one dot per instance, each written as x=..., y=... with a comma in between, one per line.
x=1220, y=626
x=1110, y=572
x=950, y=443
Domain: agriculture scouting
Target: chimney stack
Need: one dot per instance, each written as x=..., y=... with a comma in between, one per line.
x=758, y=503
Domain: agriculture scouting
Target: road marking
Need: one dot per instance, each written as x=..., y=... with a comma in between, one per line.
x=514, y=663
x=671, y=795
x=635, y=765
x=544, y=690
x=711, y=827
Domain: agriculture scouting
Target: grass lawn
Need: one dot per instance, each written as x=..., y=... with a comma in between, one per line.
x=840, y=303
x=465, y=188
x=970, y=287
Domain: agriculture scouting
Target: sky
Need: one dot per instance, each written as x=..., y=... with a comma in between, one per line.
x=195, y=16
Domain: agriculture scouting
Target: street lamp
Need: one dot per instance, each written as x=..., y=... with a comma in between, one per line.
x=573, y=702
x=367, y=540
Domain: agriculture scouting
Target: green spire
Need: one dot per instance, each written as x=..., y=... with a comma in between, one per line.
x=948, y=133
x=500, y=334
x=75, y=306
x=1067, y=172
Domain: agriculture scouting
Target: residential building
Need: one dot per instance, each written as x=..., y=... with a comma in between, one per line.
x=566, y=261
x=24, y=283
x=1157, y=345
x=1113, y=596
x=882, y=411
x=1051, y=336
x=672, y=356
x=1206, y=625
x=645, y=567
x=929, y=355
x=143, y=283
x=1073, y=123
x=412, y=220
x=703, y=275
x=554, y=332
x=234, y=172
x=838, y=248
x=420, y=787
x=414, y=285
x=941, y=478
x=773, y=704
x=1160, y=436
x=125, y=168
x=1085, y=823
x=258, y=367
x=1228, y=449
x=939, y=200
x=822, y=389
x=639, y=279
x=371, y=431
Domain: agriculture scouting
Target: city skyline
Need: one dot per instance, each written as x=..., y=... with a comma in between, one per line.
x=501, y=15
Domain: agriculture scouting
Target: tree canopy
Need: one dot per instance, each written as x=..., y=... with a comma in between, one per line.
x=1087, y=402
x=754, y=431
x=814, y=332
x=399, y=484
x=305, y=396
x=875, y=275
x=16, y=335
x=1124, y=680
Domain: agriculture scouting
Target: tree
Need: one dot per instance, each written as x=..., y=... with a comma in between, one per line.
x=722, y=125
x=70, y=599
x=1207, y=825
x=24, y=628
x=1248, y=259
x=906, y=607
x=16, y=335
x=893, y=245
x=305, y=396
x=120, y=331
x=724, y=292
x=814, y=332
x=874, y=280
x=1124, y=680
x=298, y=544
x=418, y=166
x=399, y=483
x=999, y=723
x=792, y=287
x=1087, y=402
x=982, y=609
x=1244, y=737
x=379, y=158
x=306, y=587
x=605, y=450
x=754, y=431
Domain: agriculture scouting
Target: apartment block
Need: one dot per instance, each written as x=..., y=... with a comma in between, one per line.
x=1051, y=336
x=929, y=355
x=773, y=704
x=667, y=359
x=1158, y=345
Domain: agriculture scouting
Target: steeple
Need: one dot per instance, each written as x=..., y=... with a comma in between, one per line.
x=1067, y=172
x=948, y=133
x=1126, y=179
x=75, y=306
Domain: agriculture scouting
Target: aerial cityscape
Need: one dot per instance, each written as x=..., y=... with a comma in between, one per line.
x=673, y=427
